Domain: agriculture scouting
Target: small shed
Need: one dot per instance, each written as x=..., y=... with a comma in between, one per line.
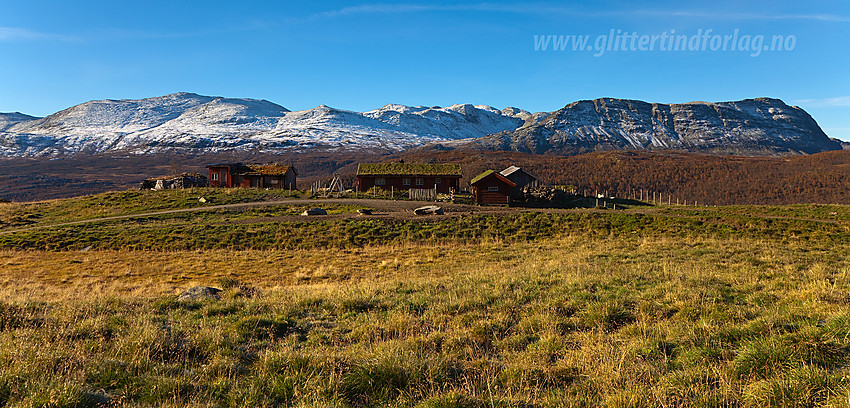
x=490, y=187
x=185, y=180
x=521, y=178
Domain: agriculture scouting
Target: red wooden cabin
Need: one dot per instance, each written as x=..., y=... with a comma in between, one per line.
x=270, y=175
x=490, y=187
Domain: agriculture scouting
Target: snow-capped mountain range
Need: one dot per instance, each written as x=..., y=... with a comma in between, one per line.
x=761, y=126
x=196, y=124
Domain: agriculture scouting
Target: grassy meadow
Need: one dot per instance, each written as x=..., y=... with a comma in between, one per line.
x=655, y=307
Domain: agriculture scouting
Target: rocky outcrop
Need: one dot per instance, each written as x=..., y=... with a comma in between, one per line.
x=199, y=293
x=761, y=126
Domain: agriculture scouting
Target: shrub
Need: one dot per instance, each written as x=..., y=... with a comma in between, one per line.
x=110, y=375
x=5, y=391
x=451, y=399
x=762, y=357
x=609, y=315
x=378, y=382
x=174, y=347
x=801, y=387
x=260, y=328
x=66, y=395
x=267, y=391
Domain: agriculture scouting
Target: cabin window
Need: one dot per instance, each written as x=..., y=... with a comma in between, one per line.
x=405, y=181
x=274, y=181
x=215, y=176
x=437, y=180
x=493, y=188
x=420, y=181
x=380, y=181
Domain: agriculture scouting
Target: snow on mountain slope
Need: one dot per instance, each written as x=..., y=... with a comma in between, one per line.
x=453, y=122
x=761, y=126
x=141, y=126
x=116, y=115
x=194, y=123
x=197, y=123
x=392, y=127
x=8, y=120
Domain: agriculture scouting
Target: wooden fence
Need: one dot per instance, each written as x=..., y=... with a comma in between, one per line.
x=423, y=194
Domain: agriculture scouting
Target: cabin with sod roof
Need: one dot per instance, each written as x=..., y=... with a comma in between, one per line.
x=269, y=175
x=185, y=180
x=490, y=187
x=406, y=176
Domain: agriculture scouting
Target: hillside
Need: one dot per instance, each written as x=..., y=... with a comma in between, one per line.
x=652, y=306
x=708, y=179
x=27, y=179
x=818, y=178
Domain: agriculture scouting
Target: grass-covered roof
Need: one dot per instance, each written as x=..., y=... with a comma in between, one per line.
x=271, y=169
x=496, y=174
x=408, y=169
x=481, y=176
x=256, y=169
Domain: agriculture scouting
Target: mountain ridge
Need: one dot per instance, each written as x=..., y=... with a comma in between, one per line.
x=196, y=124
x=758, y=126
x=199, y=124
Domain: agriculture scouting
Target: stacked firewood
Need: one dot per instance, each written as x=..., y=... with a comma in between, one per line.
x=538, y=194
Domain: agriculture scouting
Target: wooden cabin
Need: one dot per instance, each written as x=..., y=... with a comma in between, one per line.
x=406, y=176
x=185, y=180
x=269, y=175
x=490, y=187
x=521, y=178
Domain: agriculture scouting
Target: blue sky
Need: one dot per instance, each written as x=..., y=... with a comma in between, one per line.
x=360, y=56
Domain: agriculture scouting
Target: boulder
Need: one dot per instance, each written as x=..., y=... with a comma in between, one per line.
x=199, y=293
x=95, y=399
x=428, y=209
x=315, y=211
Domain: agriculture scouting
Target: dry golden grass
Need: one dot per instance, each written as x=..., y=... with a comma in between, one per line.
x=574, y=321
x=678, y=306
x=49, y=276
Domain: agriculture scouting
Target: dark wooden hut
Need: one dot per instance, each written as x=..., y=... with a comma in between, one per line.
x=406, y=176
x=521, y=178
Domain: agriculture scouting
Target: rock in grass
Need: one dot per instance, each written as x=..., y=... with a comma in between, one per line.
x=429, y=209
x=199, y=293
x=95, y=399
x=315, y=211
